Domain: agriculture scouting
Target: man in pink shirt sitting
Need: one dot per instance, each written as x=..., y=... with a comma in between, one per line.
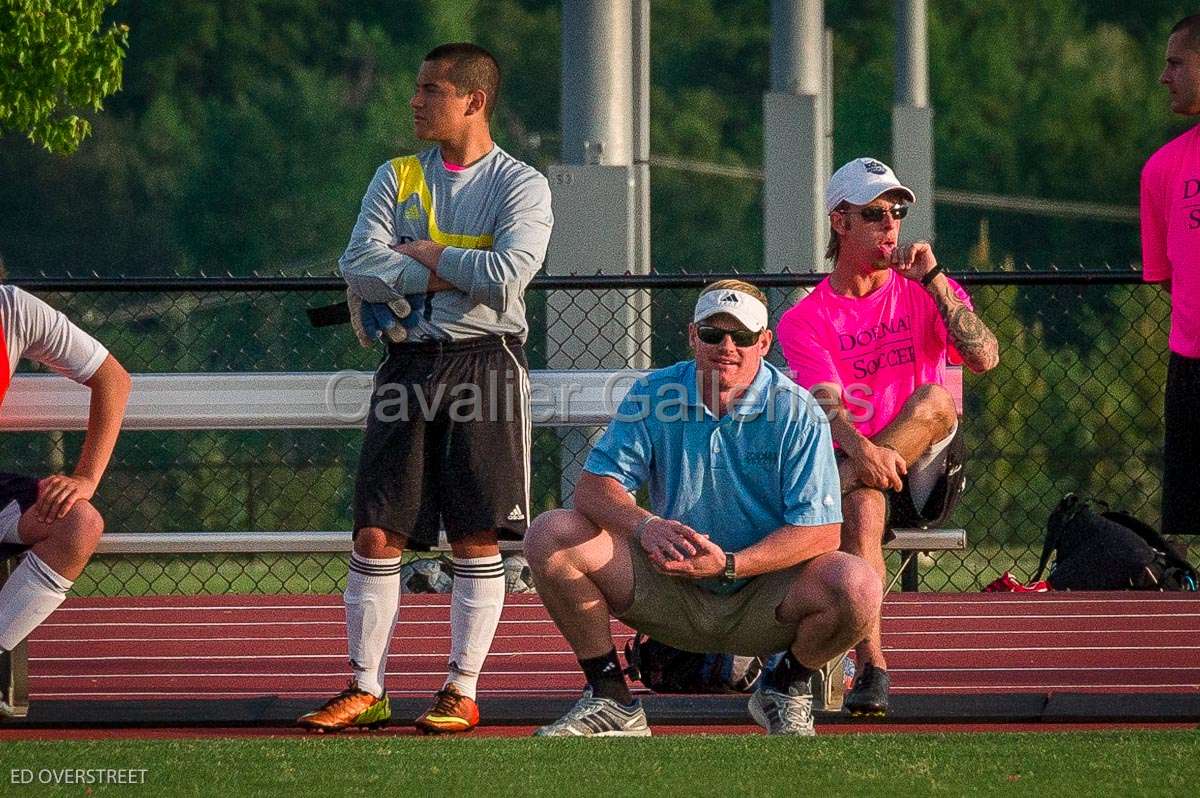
x=1171, y=257
x=871, y=343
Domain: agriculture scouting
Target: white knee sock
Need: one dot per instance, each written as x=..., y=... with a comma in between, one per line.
x=475, y=607
x=31, y=593
x=372, y=600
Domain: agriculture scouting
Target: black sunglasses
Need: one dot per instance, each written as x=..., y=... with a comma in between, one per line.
x=874, y=213
x=715, y=335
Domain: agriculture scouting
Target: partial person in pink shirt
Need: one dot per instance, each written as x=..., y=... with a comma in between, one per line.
x=871, y=343
x=1170, y=209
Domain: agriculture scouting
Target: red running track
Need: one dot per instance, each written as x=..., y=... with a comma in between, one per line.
x=292, y=646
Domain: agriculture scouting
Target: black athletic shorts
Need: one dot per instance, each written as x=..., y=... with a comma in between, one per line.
x=1181, y=441
x=24, y=491
x=447, y=442
x=942, y=500
x=947, y=490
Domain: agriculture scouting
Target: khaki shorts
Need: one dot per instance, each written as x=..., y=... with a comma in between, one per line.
x=677, y=612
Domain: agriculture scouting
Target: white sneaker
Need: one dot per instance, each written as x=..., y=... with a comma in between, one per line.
x=598, y=717
x=788, y=713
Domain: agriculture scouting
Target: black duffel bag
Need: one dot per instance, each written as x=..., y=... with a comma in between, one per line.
x=1096, y=548
x=666, y=669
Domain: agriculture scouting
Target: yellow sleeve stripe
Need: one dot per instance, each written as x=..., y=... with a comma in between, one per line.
x=410, y=180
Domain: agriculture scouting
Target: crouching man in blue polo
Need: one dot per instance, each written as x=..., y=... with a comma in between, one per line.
x=739, y=552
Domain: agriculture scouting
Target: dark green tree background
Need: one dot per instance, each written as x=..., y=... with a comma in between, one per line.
x=245, y=131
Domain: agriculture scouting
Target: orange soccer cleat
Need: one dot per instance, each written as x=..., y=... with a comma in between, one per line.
x=351, y=708
x=451, y=713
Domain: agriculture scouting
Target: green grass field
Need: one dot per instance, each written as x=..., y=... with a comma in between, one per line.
x=1151, y=763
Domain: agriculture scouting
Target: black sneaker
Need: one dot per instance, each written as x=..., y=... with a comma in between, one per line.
x=869, y=696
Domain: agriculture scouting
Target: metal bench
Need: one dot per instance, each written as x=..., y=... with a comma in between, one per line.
x=331, y=400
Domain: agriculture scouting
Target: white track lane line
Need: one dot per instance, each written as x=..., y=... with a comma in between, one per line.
x=173, y=625
x=568, y=652
x=575, y=672
x=975, y=598
x=439, y=674
x=919, y=599
x=951, y=616
x=622, y=634
x=283, y=657
x=550, y=692
x=268, y=639
x=1124, y=632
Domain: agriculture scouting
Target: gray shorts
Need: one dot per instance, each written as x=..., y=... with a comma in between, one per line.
x=679, y=613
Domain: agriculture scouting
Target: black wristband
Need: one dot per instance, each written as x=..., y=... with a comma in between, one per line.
x=730, y=572
x=929, y=275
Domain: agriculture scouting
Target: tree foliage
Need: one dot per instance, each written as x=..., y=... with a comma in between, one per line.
x=247, y=129
x=55, y=61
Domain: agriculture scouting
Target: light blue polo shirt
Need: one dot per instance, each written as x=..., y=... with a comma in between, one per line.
x=767, y=463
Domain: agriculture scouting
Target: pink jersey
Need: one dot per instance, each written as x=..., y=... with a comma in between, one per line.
x=1171, y=234
x=878, y=348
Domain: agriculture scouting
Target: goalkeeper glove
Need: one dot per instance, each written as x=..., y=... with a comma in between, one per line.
x=375, y=320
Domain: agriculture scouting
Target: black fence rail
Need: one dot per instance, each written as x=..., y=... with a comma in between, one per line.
x=1075, y=405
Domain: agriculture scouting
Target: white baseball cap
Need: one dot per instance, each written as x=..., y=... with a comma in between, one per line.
x=749, y=311
x=861, y=181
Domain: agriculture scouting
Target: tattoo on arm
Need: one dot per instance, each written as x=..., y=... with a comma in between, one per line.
x=970, y=336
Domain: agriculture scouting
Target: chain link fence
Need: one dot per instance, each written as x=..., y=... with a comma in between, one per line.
x=1075, y=405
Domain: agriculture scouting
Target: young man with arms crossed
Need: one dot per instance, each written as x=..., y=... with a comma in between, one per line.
x=739, y=551
x=871, y=342
x=455, y=233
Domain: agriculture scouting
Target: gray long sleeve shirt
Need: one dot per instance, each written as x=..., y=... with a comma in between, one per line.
x=493, y=217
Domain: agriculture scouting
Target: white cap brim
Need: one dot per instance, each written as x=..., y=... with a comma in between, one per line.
x=749, y=311
x=862, y=181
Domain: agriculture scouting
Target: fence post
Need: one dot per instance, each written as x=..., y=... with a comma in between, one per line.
x=597, y=196
x=14, y=665
x=912, y=116
x=910, y=576
x=797, y=132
